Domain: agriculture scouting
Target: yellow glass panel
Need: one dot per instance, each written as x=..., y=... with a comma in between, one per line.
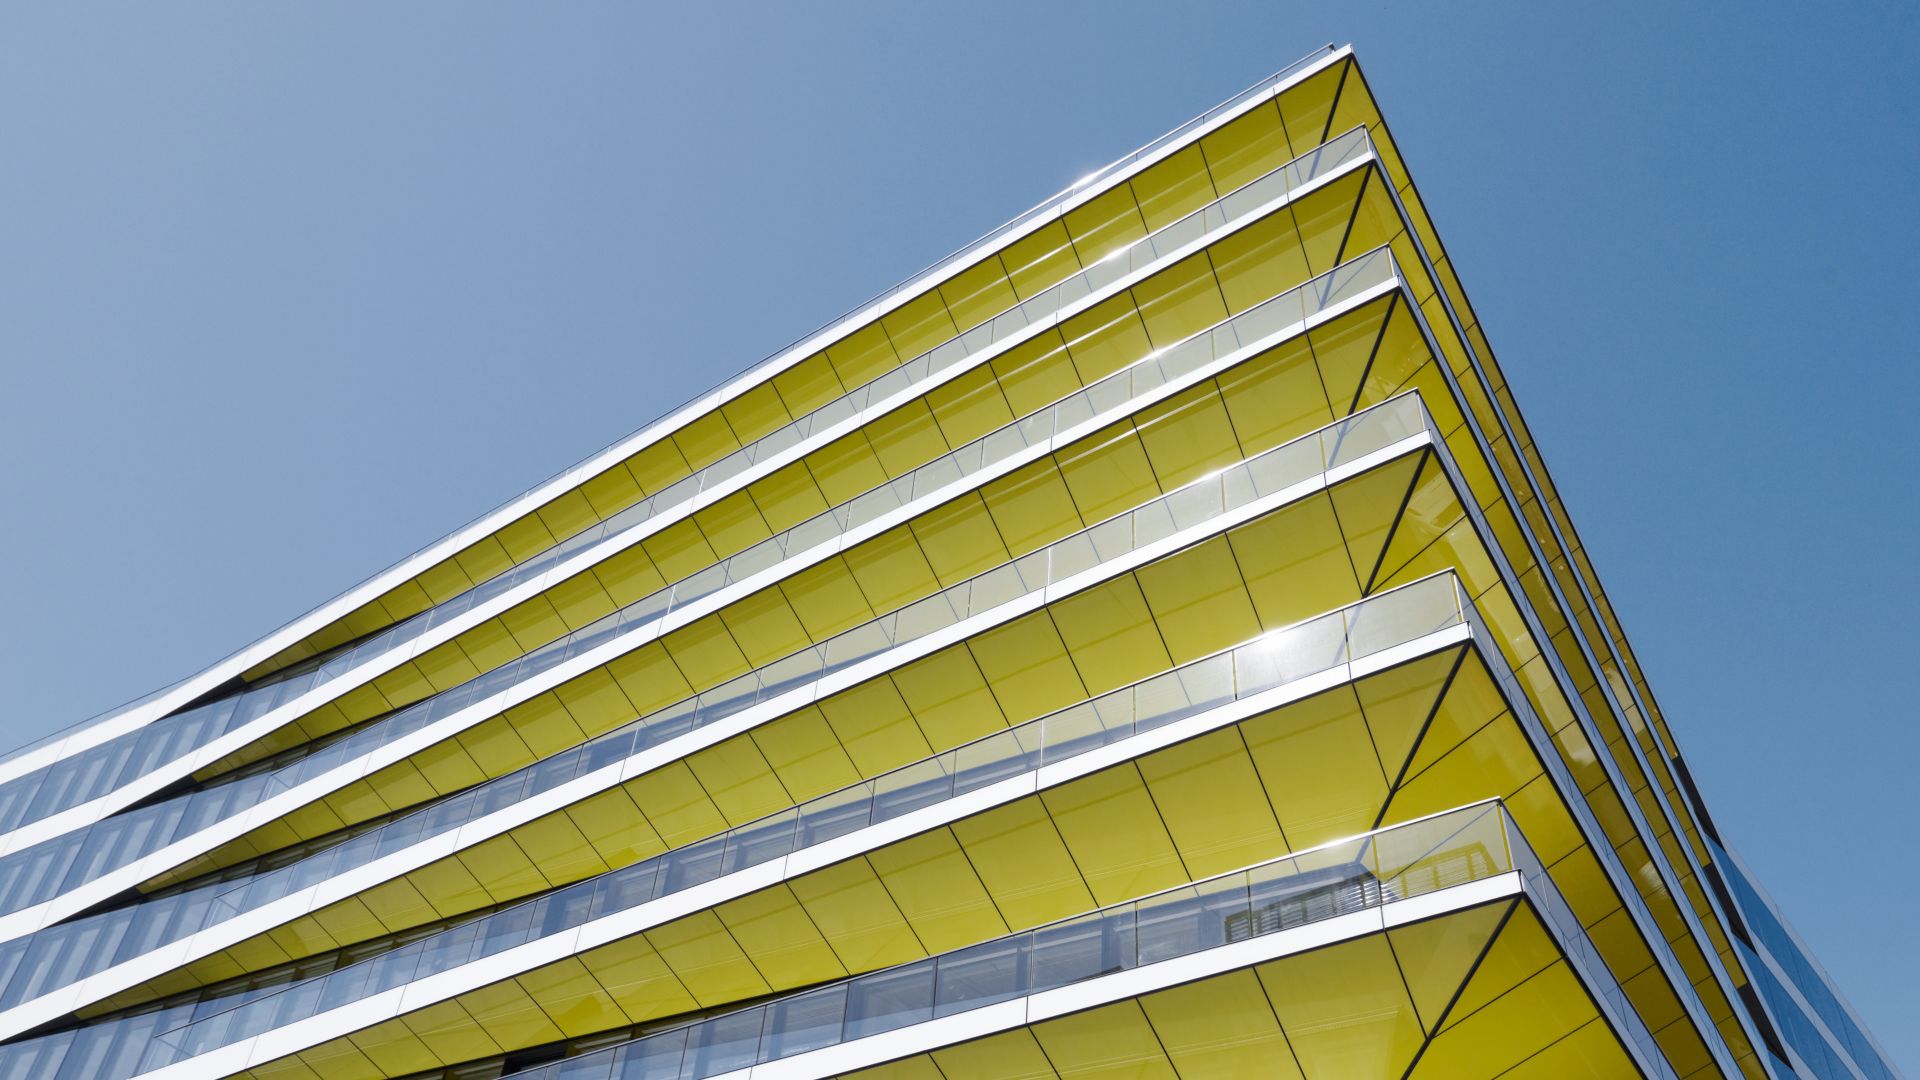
x=1112, y=1041
x=1107, y=472
x=507, y=1014
x=826, y=598
x=1012, y=1055
x=1110, y=825
x=775, y=931
x=1369, y=507
x=1317, y=762
x=543, y=724
x=1307, y=108
x=1188, y=436
x=615, y=827
x=935, y=887
x=850, y=906
x=488, y=645
x=1221, y=1026
x=1496, y=760
x=1105, y=338
x=446, y=580
x=755, y=412
x=340, y=1060
x=1437, y=955
x=1110, y=633
x=959, y=539
x=918, y=325
x=705, y=653
x=1026, y=666
x=658, y=466
x=1591, y=1053
x=1105, y=223
x=949, y=698
x=787, y=497
x=1344, y=1009
x=1173, y=188
x=1024, y=864
x=891, y=570
x=1511, y=1029
x=503, y=869
x=572, y=998
x=732, y=524
x=875, y=727
x=676, y=805
x=1198, y=600
x=1322, y=218
x=563, y=852
x=532, y=623
x=596, y=701
x=807, y=385
x=969, y=406
x=1031, y=508
x=449, y=1031
x=637, y=980
x=803, y=750
x=1213, y=804
x=1275, y=397
x=483, y=558
x=449, y=886
x=567, y=513
x=705, y=440
x=525, y=538
x=678, y=550
x=1038, y=260
x=978, y=293
x=764, y=626
x=495, y=748
x=1180, y=301
x=906, y=438
x=648, y=677
x=1295, y=563
x=739, y=780
x=707, y=960
x=1259, y=261
x=1250, y=146
x=612, y=491
x=1035, y=373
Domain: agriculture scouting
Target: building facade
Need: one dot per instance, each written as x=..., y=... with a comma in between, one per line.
x=1146, y=643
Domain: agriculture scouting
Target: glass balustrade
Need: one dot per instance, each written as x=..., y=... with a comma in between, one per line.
x=94, y=772
x=1419, y=858
x=55, y=957
x=1267, y=663
x=46, y=870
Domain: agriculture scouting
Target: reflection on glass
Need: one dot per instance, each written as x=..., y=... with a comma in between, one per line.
x=1062, y=951
x=73, y=950
x=91, y=773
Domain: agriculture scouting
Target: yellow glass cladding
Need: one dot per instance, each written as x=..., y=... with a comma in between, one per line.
x=1272, y=399
x=1225, y=160
x=1477, y=993
x=1470, y=994
x=1428, y=735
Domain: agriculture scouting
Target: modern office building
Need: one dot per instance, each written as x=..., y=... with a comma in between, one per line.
x=1146, y=643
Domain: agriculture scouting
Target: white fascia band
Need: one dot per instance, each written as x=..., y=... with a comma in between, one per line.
x=279, y=805
x=97, y=809
x=64, y=1000
x=165, y=703
x=508, y=963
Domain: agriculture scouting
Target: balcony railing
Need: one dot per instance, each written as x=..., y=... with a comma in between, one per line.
x=40, y=873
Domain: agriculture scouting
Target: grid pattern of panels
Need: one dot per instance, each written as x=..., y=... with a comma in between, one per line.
x=1185, y=524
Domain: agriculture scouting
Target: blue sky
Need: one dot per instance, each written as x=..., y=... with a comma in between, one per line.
x=286, y=292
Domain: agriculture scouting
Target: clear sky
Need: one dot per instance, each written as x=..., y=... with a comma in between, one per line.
x=287, y=292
